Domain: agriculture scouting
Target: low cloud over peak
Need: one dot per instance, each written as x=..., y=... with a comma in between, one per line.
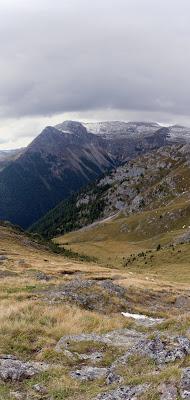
x=80, y=57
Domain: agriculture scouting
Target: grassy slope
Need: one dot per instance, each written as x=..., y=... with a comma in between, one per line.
x=114, y=241
x=162, y=220
x=31, y=327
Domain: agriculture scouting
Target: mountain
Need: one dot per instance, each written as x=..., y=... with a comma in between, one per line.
x=178, y=133
x=111, y=129
x=6, y=156
x=52, y=167
x=65, y=158
x=126, y=140
x=152, y=191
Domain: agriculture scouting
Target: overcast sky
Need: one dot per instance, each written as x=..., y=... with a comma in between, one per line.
x=92, y=60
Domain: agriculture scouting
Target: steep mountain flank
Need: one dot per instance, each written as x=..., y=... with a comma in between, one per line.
x=159, y=180
x=7, y=156
x=52, y=167
x=111, y=129
x=127, y=140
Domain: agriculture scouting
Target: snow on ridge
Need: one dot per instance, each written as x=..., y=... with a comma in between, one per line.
x=120, y=127
x=109, y=129
x=180, y=132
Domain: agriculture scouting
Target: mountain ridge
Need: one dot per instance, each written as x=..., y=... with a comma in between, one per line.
x=63, y=159
x=148, y=182
x=51, y=168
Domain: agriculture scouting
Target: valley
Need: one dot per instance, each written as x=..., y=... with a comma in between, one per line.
x=95, y=200
x=95, y=299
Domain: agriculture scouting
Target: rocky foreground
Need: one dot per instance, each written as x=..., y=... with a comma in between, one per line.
x=71, y=330
x=160, y=352
x=108, y=360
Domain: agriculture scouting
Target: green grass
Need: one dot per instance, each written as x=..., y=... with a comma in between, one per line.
x=145, y=232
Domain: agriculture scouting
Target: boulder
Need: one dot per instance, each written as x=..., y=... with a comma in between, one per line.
x=123, y=393
x=168, y=391
x=89, y=373
x=161, y=349
x=185, y=384
x=12, y=369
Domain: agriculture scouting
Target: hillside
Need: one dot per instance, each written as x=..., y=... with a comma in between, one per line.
x=79, y=330
x=156, y=182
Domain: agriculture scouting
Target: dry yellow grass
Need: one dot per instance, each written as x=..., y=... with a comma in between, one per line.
x=22, y=312
x=30, y=327
x=112, y=245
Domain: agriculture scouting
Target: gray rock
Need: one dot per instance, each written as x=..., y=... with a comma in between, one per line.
x=119, y=338
x=185, y=384
x=16, y=370
x=123, y=393
x=6, y=273
x=124, y=228
x=17, y=395
x=74, y=356
x=184, y=238
x=89, y=373
x=3, y=257
x=183, y=302
x=40, y=388
x=91, y=295
x=70, y=355
x=7, y=357
x=168, y=391
x=112, y=377
x=163, y=350
x=41, y=276
x=94, y=357
x=112, y=288
x=21, y=261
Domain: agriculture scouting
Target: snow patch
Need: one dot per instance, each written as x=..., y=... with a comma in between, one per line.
x=143, y=318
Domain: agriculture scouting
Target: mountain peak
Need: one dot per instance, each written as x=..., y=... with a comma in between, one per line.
x=73, y=127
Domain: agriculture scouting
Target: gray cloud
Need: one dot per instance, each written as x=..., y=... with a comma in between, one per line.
x=78, y=56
